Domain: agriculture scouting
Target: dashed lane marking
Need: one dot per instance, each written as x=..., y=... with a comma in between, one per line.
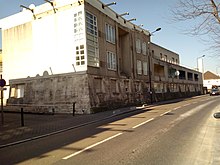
x=177, y=108
x=165, y=113
x=89, y=147
x=143, y=123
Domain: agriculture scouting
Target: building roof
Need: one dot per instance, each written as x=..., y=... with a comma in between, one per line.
x=209, y=75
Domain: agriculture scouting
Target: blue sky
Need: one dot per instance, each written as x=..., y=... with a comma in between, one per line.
x=152, y=14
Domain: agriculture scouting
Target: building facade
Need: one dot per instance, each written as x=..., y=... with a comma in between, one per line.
x=81, y=53
x=211, y=80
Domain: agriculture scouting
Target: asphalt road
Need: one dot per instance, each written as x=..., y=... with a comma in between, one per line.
x=179, y=133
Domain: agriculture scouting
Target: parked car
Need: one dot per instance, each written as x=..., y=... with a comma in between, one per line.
x=214, y=91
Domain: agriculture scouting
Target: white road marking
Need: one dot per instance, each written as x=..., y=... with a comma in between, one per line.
x=177, y=108
x=165, y=113
x=143, y=123
x=89, y=147
x=186, y=105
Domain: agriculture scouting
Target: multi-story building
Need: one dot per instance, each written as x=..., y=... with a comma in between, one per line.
x=82, y=52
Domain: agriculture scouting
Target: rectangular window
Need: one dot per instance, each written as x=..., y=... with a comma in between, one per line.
x=139, y=67
x=98, y=85
x=114, y=86
x=110, y=33
x=161, y=56
x=138, y=46
x=111, y=60
x=18, y=91
x=165, y=58
x=145, y=68
x=78, y=26
x=158, y=88
x=80, y=55
x=92, y=40
x=144, y=48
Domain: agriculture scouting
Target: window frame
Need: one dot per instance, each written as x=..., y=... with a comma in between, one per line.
x=139, y=67
x=110, y=33
x=111, y=61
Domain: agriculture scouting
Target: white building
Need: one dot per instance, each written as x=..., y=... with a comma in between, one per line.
x=210, y=80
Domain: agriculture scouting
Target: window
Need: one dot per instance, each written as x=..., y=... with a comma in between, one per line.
x=110, y=33
x=80, y=55
x=158, y=88
x=152, y=53
x=189, y=76
x=98, y=85
x=145, y=69
x=144, y=48
x=196, y=77
x=165, y=58
x=137, y=86
x=161, y=56
x=138, y=46
x=92, y=40
x=18, y=91
x=111, y=60
x=78, y=26
x=114, y=86
x=139, y=67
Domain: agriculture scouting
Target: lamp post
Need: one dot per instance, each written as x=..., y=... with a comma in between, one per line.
x=149, y=65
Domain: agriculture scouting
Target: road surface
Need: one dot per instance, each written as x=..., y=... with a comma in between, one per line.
x=179, y=133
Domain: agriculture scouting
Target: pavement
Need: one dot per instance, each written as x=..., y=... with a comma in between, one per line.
x=37, y=126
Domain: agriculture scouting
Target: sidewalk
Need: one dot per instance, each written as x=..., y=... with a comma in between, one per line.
x=38, y=125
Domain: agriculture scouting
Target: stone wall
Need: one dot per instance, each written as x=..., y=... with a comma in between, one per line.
x=85, y=92
x=52, y=93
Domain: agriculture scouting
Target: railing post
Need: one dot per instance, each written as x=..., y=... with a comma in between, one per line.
x=74, y=110
x=22, y=117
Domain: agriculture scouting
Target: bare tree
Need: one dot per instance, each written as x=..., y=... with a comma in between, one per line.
x=205, y=15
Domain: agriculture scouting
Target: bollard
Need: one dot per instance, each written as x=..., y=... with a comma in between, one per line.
x=53, y=111
x=74, y=110
x=22, y=117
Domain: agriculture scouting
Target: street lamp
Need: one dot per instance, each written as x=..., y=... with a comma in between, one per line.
x=149, y=65
x=158, y=29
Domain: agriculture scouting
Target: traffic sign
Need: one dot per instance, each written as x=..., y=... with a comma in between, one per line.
x=2, y=82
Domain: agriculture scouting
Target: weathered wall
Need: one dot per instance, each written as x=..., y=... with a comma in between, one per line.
x=58, y=92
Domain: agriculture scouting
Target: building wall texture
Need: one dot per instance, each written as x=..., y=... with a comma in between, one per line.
x=51, y=92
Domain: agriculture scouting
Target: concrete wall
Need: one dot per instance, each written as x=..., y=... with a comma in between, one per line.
x=44, y=93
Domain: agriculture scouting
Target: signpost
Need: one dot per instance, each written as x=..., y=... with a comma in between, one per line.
x=2, y=84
